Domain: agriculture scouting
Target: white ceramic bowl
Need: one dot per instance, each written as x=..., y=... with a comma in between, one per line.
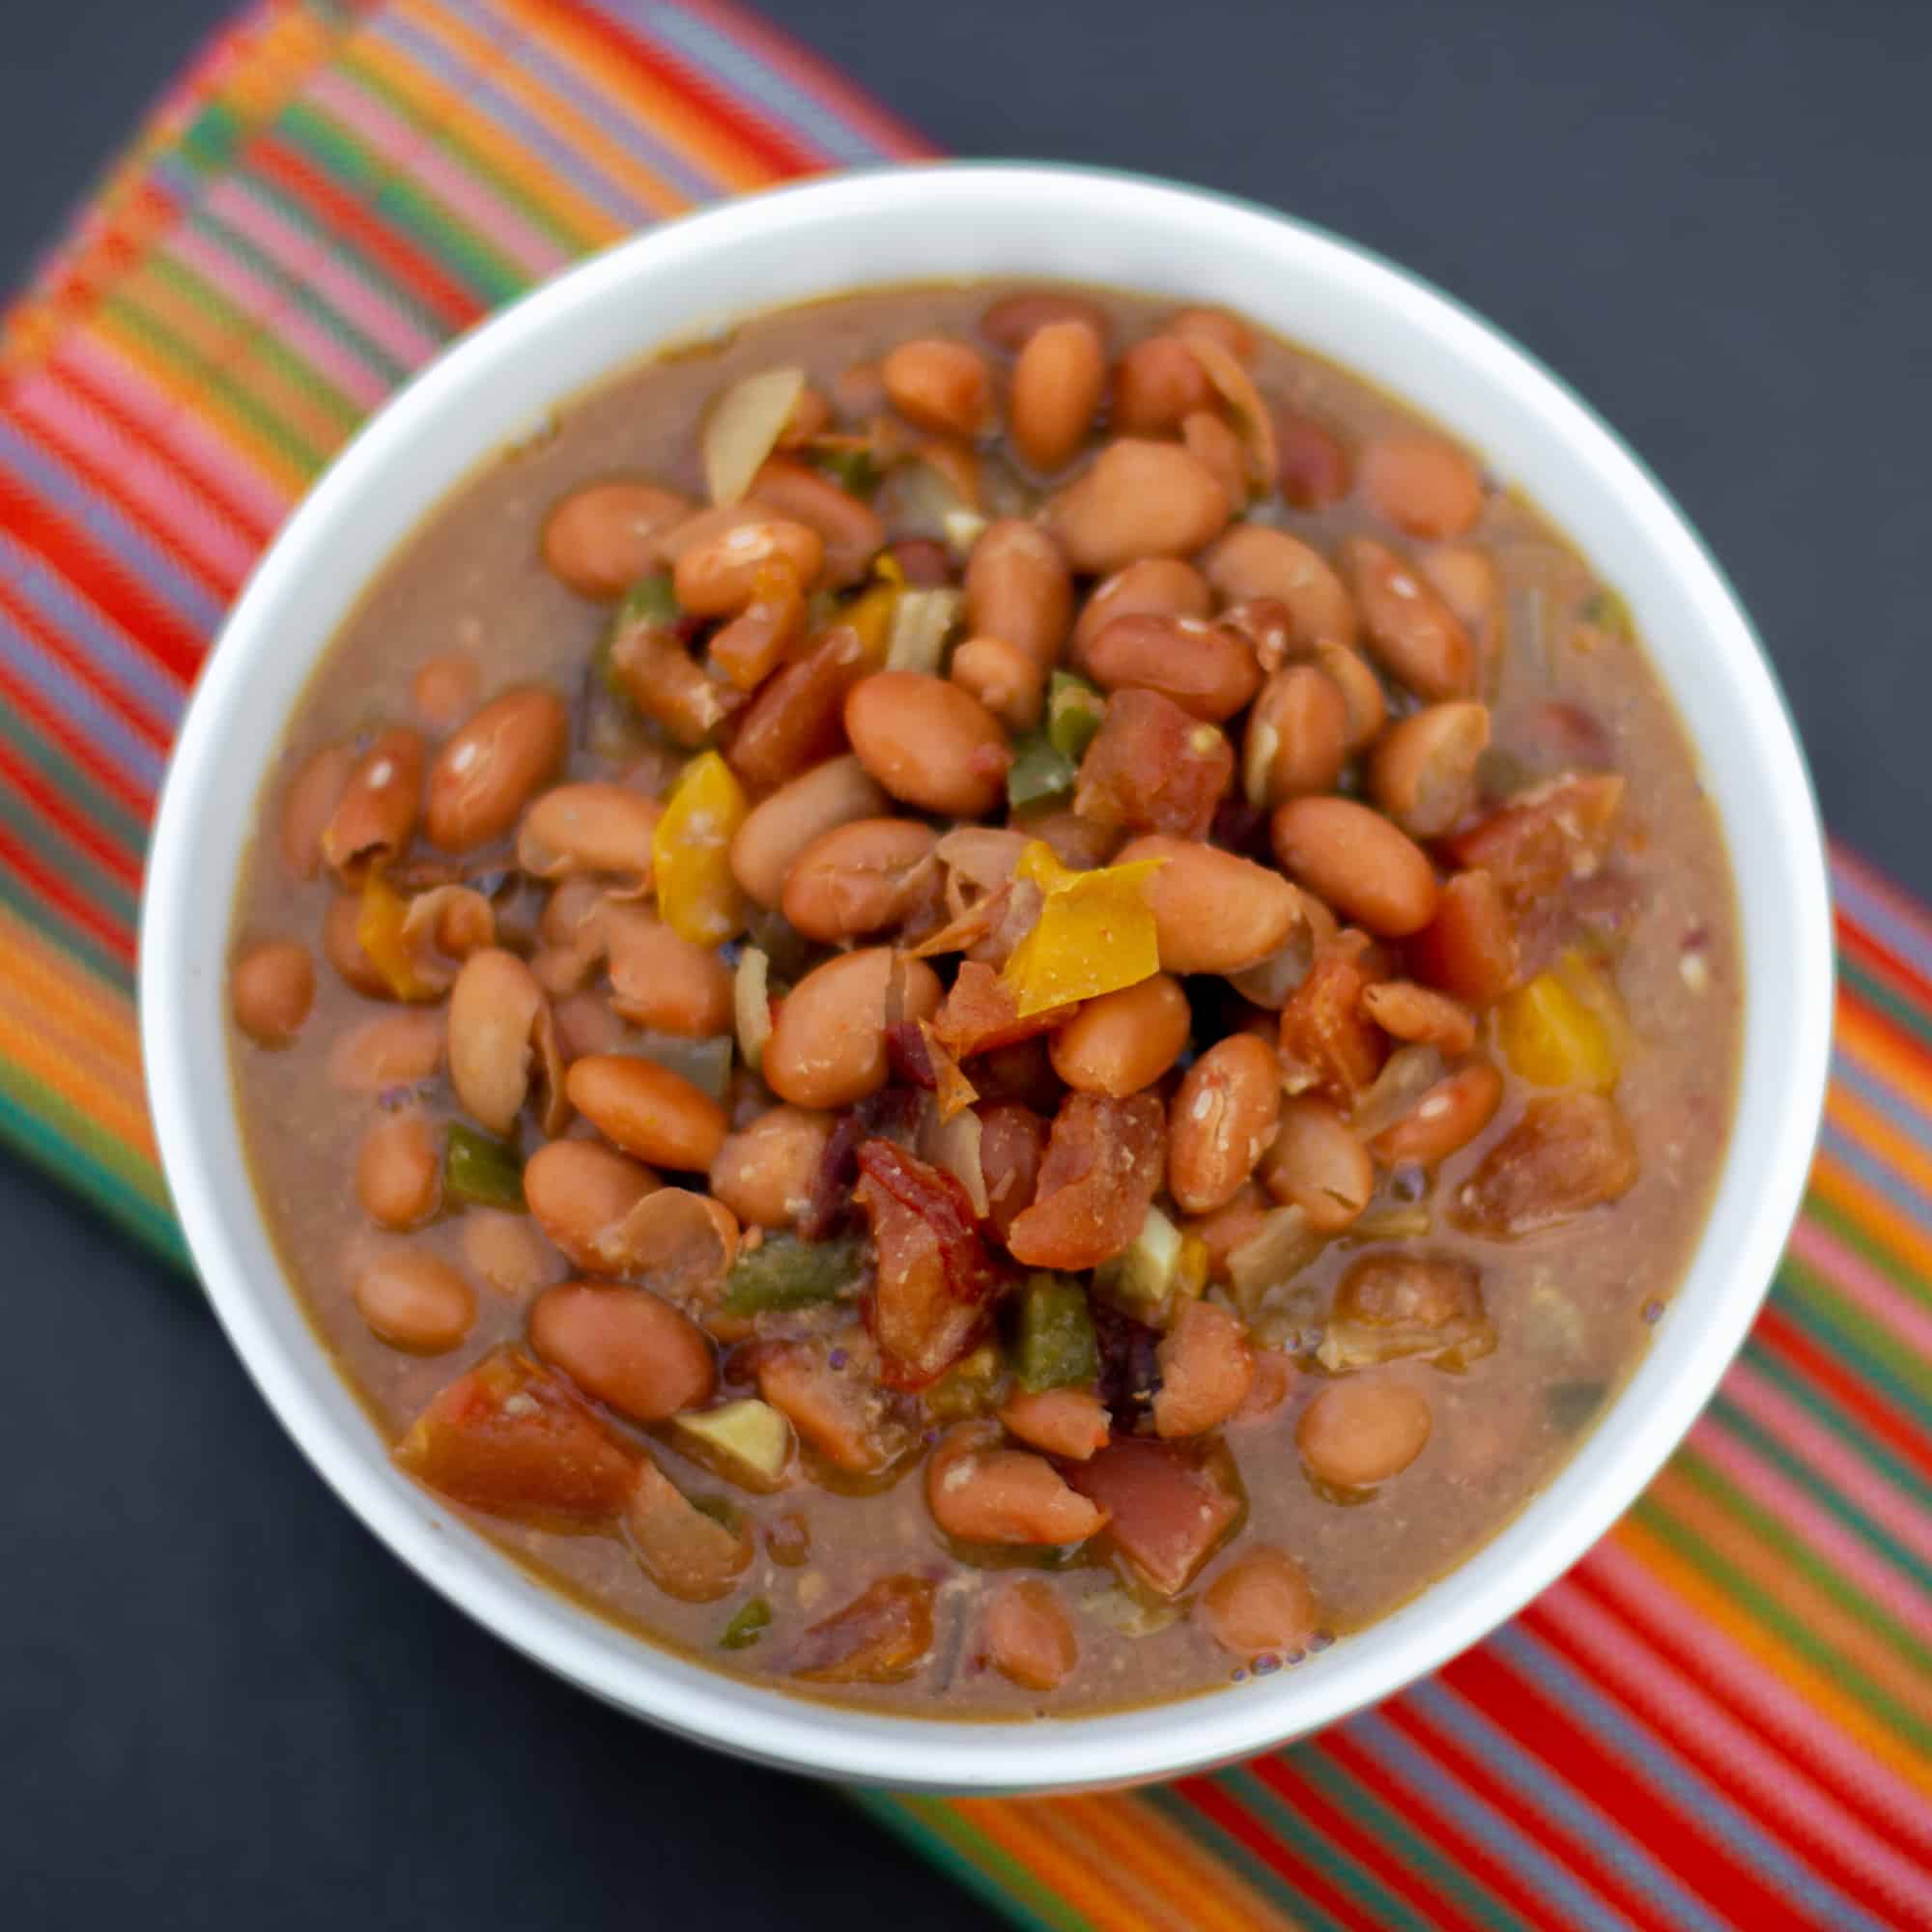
x=955, y=223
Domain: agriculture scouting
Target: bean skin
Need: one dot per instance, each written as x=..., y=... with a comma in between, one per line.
x=983, y=1494
x=663, y=981
x=779, y=828
x=416, y=1300
x=1252, y=561
x=1421, y=485
x=399, y=1170
x=1162, y=587
x=576, y=828
x=393, y=1050
x=1317, y=1162
x=375, y=817
x=1361, y=1431
x=1215, y=912
x=1003, y=678
x=941, y=386
x=625, y=1347
x=307, y=807
x=272, y=990
x=1416, y=636
x=1029, y=1637
x=860, y=878
x=1222, y=1120
x=718, y=575
x=1209, y=670
x=1297, y=737
x=1369, y=871
x=1056, y=388
x=828, y=1043
x=580, y=1190
x=486, y=775
x=647, y=1110
x=1157, y=384
x=1469, y=947
x=1448, y=1116
x=1137, y=500
x=1260, y=1604
x=847, y=524
x=1423, y=772
x=494, y=1007
x=1206, y=1368
x=928, y=743
x=602, y=538
x=763, y=1173
x=1018, y=591
x=1124, y=1040
x=1011, y=322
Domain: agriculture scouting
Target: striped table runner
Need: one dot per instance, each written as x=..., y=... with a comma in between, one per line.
x=1721, y=1717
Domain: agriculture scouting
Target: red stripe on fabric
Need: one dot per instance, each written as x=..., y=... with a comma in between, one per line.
x=1879, y=959
x=25, y=699
x=1457, y=1845
x=1281, y=1777
x=155, y=631
x=346, y=216
x=57, y=645
x=1916, y=1055
x=1904, y=1437
x=74, y=826
x=49, y=886
x=771, y=144
x=1553, y=1840
x=1221, y=1807
x=1662, y=1835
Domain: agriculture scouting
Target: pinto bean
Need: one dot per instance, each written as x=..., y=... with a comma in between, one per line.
x=928, y=743
x=1056, y=390
x=719, y=576
x=486, y=775
x=1222, y=1120
x=1219, y=326
x=624, y=1346
x=1317, y=1163
x=493, y=1010
x=941, y=386
x=399, y=1170
x=1448, y=1116
x=1157, y=383
x=647, y=1110
x=1362, y=1430
x=1297, y=737
x=443, y=690
x=1161, y=587
x=1213, y=912
x=1206, y=1368
x=1068, y=1422
x=1209, y=438
x=1010, y=322
x=307, y=807
x=847, y=524
x=506, y=1251
x=416, y=1300
x=1312, y=468
x=828, y=1043
x=1209, y=670
x=580, y=1191
x=602, y=538
x=983, y=1494
x=778, y=828
x=860, y=878
x=1252, y=561
x=1472, y=587
x=764, y=1171
x=1029, y=1637
x=393, y=1050
x=1018, y=591
x=1260, y=1604
x=1422, y=485
x=662, y=981
x=1122, y=1042
x=687, y=1554
x=1409, y=1011
x=1413, y=634
x=375, y=817
x=1137, y=500
x=1369, y=871
x=602, y=828
x=272, y=989
x=1423, y=773
x=1228, y=1229
x=1003, y=678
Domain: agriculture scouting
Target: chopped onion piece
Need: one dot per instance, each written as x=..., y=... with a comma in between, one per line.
x=1126, y=1615
x=1406, y=1075
x=1253, y=422
x=1271, y=1257
x=1270, y=983
x=1394, y=1224
x=922, y=622
x=955, y=1145
x=744, y=428
x=963, y=528
x=752, y=1004
x=705, y=1062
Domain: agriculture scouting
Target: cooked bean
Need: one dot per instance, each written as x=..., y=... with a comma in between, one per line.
x=1410, y=628
x=860, y=878
x=1125, y=1040
x=810, y=417
x=583, y=1020
x=1469, y=947
x=395, y=1050
x=941, y=386
x=624, y=1346
x=1422, y=485
x=662, y=981
x=1010, y=322
x=486, y=775
x=983, y=1494
x=1423, y=773
x=1003, y=678
x=1361, y=691
x=494, y=1007
x=1220, y=325
x=719, y=576
x=579, y=1192
x=399, y=1170
x=602, y=538
x=1217, y=446
x=506, y=1251
x=1568, y=1152
x=1312, y=468
x=1012, y=1140
x=828, y=1043
x=1449, y=1116
x=764, y=1171
x=1028, y=1638
x=647, y=1110
x=576, y=829
x=1206, y=1368
x=1206, y=668
x=1162, y=587
x=1361, y=1431
x=376, y=815
x=307, y=807
x=1018, y=591
x=1223, y=1119
x=1409, y=1011
x=1215, y=912
x=443, y=691
x=1137, y=500
x=272, y=990
x=1472, y=587
x=1260, y=1605
x=1368, y=869
x=1297, y=737
x=1230, y=1227
x=416, y=1300
x=848, y=526
x=1252, y=561
x=1317, y=1163
x=687, y=1554
x=778, y=828
x=928, y=743
x=1068, y=1422
x=1158, y=383
x=1056, y=390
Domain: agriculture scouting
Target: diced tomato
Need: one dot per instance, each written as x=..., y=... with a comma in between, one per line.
x=1103, y=1166
x=797, y=719
x=1545, y=836
x=1068, y=1422
x=1568, y=1154
x=1470, y=949
x=1151, y=767
x=935, y=1280
x=882, y=1636
x=982, y=1014
x=509, y=1438
x=1169, y=1506
x=1328, y=1044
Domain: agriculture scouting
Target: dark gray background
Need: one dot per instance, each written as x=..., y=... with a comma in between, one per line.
x=224, y=1704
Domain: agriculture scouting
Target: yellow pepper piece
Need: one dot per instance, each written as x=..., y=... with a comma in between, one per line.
x=871, y=613
x=379, y=932
x=691, y=853
x=1558, y=1030
x=1096, y=932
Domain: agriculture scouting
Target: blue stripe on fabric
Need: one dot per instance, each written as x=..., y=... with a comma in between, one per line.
x=113, y=742
x=1878, y=1173
x=1911, y=1114
x=1893, y=933
x=1694, y=1795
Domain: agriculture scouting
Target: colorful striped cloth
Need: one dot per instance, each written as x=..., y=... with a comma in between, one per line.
x=1722, y=1718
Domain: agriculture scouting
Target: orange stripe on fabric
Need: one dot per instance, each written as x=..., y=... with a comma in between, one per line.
x=30, y=1037
x=1874, y=1214
x=1907, y=1157
x=100, y=1015
x=1021, y=1831
x=1882, y=1044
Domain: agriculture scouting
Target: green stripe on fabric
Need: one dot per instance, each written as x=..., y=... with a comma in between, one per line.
x=1855, y=1335
x=67, y=860
x=65, y=931
x=1895, y=1006
x=1870, y=1247
x=1849, y=1427
x=440, y=231
x=216, y=386
x=936, y=1830
x=32, y=747
x=1381, y=1821
x=1774, y=1617
x=210, y=139
x=1227, y=1849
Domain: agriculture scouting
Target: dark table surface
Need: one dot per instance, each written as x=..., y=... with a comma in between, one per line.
x=225, y=1704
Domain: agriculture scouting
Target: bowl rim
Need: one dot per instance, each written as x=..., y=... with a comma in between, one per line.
x=772, y=1725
